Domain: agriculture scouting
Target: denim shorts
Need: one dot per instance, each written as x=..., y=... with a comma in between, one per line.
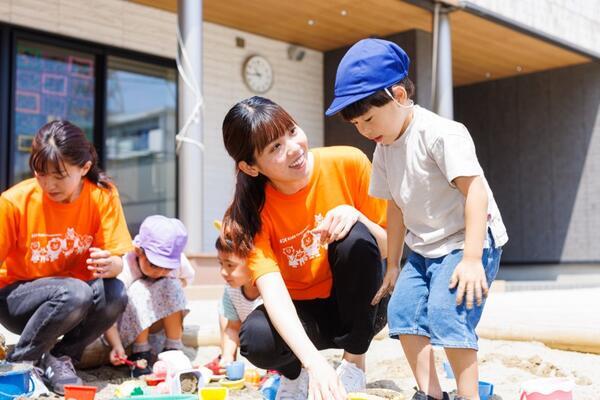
x=423, y=305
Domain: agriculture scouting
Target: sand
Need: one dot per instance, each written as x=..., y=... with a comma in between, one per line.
x=505, y=364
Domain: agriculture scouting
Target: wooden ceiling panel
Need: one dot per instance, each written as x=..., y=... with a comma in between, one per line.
x=481, y=49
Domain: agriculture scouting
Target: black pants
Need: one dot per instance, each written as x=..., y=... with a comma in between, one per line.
x=346, y=320
x=44, y=309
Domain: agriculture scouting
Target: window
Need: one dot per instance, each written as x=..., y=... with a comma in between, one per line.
x=140, y=137
x=51, y=83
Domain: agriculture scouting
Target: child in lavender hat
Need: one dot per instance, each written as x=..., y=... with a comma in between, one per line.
x=155, y=273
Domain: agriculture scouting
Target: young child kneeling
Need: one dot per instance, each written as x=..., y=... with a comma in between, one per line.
x=155, y=274
x=239, y=299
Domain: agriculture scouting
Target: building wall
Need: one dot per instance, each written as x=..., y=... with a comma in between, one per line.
x=574, y=21
x=297, y=84
x=538, y=140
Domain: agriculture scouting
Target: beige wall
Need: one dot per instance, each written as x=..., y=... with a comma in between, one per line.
x=297, y=85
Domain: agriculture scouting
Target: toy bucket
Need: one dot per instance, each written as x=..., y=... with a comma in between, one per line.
x=486, y=390
x=547, y=389
x=79, y=392
x=15, y=383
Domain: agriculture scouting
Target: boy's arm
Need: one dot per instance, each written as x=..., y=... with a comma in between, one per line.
x=469, y=275
x=231, y=341
x=396, y=231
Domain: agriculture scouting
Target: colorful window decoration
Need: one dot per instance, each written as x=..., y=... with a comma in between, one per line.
x=51, y=83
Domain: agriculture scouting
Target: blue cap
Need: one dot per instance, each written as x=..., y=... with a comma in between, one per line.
x=370, y=65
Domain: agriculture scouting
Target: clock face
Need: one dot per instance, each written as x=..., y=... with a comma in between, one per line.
x=258, y=74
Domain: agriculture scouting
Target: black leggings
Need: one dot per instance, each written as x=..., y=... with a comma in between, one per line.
x=346, y=320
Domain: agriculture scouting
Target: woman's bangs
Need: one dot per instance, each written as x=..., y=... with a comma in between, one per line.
x=47, y=160
x=270, y=127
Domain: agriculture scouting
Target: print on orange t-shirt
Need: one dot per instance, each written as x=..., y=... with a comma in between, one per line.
x=42, y=238
x=287, y=242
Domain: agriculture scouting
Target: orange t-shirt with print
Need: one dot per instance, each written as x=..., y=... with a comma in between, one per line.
x=42, y=238
x=286, y=242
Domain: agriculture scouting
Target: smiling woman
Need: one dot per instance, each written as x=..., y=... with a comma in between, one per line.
x=303, y=218
x=61, y=237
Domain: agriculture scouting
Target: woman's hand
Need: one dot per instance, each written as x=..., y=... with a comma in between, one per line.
x=323, y=382
x=117, y=354
x=103, y=264
x=337, y=223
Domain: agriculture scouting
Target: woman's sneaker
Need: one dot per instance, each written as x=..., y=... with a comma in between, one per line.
x=352, y=377
x=58, y=372
x=293, y=389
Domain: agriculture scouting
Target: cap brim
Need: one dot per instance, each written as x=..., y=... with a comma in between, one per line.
x=161, y=261
x=341, y=102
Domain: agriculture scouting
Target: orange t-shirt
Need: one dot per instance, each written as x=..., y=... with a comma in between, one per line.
x=42, y=238
x=286, y=243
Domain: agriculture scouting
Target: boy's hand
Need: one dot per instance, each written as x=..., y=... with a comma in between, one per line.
x=389, y=281
x=116, y=354
x=100, y=263
x=337, y=223
x=470, y=277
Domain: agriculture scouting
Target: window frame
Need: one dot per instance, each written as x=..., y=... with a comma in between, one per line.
x=11, y=34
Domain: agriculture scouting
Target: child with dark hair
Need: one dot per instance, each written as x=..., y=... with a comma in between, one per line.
x=439, y=204
x=240, y=298
x=62, y=235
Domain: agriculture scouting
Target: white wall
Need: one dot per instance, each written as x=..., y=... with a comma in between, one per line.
x=574, y=21
x=298, y=86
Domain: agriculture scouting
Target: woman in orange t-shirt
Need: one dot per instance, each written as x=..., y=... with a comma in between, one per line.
x=314, y=241
x=61, y=237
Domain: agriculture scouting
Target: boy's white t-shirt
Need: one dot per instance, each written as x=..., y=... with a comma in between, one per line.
x=235, y=306
x=416, y=171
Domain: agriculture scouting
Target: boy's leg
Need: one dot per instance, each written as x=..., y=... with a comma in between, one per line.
x=452, y=326
x=408, y=320
x=41, y=311
x=419, y=353
x=109, y=300
x=464, y=362
x=357, y=271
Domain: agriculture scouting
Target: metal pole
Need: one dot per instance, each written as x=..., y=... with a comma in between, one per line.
x=434, y=52
x=444, y=104
x=190, y=160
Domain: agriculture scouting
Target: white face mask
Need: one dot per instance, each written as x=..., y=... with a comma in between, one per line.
x=410, y=105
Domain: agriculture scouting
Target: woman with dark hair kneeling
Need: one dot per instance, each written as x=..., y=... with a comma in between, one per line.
x=314, y=241
x=61, y=237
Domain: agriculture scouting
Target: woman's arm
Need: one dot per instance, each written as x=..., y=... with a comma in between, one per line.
x=339, y=220
x=324, y=382
x=103, y=264
x=378, y=232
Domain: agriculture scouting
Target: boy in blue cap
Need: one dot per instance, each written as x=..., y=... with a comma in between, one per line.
x=439, y=204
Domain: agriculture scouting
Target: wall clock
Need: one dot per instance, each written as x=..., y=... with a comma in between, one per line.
x=258, y=74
